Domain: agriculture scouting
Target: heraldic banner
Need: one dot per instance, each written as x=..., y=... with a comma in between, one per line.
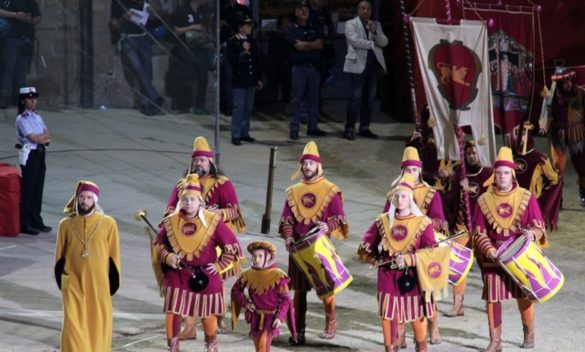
x=511, y=55
x=454, y=65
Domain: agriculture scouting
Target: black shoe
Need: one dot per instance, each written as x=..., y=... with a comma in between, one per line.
x=316, y=133
x=159, y=101
x=44, y=228
x=300, y=339
x=367, y=134
x=349, y=135
x=294, y=135
x=149, y=110
x=30, y=230
x=236, y=141
x=249, y=139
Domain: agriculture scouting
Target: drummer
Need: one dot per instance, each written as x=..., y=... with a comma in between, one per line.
x=313, y=202
x=505, y=211
x=428, y=200
x=394, y=238
x=186, y=243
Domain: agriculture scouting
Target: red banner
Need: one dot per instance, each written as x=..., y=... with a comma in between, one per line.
x=511, y=55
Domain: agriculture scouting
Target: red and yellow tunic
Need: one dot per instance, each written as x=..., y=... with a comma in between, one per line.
x=195, y=241
x=268, y=291
x=307, y=203
x=498, y=217
x=379, y=244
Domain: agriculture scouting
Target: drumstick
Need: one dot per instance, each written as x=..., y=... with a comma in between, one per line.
x=458, y=234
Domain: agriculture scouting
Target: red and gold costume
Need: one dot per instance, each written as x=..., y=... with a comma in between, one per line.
x=567, y=127
x=391, y=235
x=535, y=172
x=428, y=200
x=195, y=240
x=498, y=217
x=308, y=203
x=268, y=291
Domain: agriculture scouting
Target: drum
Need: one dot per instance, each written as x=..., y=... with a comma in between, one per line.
x=460, y=259
x=534, y=273
x=315, y=256
x=460, y=262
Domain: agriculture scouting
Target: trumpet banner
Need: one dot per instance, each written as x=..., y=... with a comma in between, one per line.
x=454, y=65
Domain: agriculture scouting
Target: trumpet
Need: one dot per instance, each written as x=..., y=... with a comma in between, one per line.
x=141, y=215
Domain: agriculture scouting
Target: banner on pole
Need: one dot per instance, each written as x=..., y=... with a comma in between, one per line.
x=454, y=65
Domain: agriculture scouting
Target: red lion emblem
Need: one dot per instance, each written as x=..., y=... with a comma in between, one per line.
x=188, y=229
x=457, y=69
x=434, y=269
x=398, y=232
x=504, y=210
x=308, y=200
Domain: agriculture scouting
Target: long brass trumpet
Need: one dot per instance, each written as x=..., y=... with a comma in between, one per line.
x=141, y=215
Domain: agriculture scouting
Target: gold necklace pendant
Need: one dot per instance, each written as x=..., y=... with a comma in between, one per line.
x=85, y=252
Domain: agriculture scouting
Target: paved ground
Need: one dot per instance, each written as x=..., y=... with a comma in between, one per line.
x=137, y=159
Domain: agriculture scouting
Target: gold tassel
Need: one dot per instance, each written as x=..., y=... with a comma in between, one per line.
x=482, y=140
x=432, y=122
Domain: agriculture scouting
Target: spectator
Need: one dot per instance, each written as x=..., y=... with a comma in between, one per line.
x=193, y=52
x=305, y=52
x=135, y=46
x=16, y=55
x=365, y=40
x=243, y=56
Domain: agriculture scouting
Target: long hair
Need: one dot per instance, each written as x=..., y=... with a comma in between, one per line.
x=414, y=209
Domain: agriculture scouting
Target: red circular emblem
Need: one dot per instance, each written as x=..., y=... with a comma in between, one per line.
x=434, y=270
x=504, y=210
x=398, y=232
x=188, y=229
x=308, y=200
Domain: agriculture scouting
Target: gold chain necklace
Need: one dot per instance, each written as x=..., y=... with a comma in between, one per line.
x=85, y=243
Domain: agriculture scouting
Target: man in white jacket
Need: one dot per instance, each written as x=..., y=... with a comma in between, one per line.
x=365, y=40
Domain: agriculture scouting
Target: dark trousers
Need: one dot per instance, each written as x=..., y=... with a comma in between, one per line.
x=33, y=182
x=137, y=52
x=243, y=105
x=15, y=58
x=305, y=87
x=192, y=76
x=226, y=87
x=363, y=95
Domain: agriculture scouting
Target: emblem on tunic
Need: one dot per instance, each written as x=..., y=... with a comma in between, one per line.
x=456, y=68
x=504, y=210
x=398, y=232
x=434, y=269
x=188, y=229
x=521, y=166
x=473, y=190
x=308, y=200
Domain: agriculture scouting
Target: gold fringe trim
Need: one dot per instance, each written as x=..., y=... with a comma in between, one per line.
x=260, y=281
x=342, y=231
x=316, y=216
x=387, y=242
x=212, y=184
x=206, y=233
x=364, y=252
x=576, y=133
x=499, y=227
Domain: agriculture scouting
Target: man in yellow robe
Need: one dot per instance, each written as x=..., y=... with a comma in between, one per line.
x=87, y=270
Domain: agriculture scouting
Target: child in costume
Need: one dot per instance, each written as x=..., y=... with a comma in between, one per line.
x=268, y=302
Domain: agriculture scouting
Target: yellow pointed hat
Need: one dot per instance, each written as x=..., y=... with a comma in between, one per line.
x=410, y=158
x=81, y=186
x=190, y=186
x=201, y=148
x=406, y=183
x=505, y=158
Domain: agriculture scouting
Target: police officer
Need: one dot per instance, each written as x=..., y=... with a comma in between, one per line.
x=33, y=137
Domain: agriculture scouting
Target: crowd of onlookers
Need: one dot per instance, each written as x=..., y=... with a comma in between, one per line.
x=300, y=55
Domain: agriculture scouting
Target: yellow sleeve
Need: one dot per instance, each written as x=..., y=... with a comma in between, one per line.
x=550, y=173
